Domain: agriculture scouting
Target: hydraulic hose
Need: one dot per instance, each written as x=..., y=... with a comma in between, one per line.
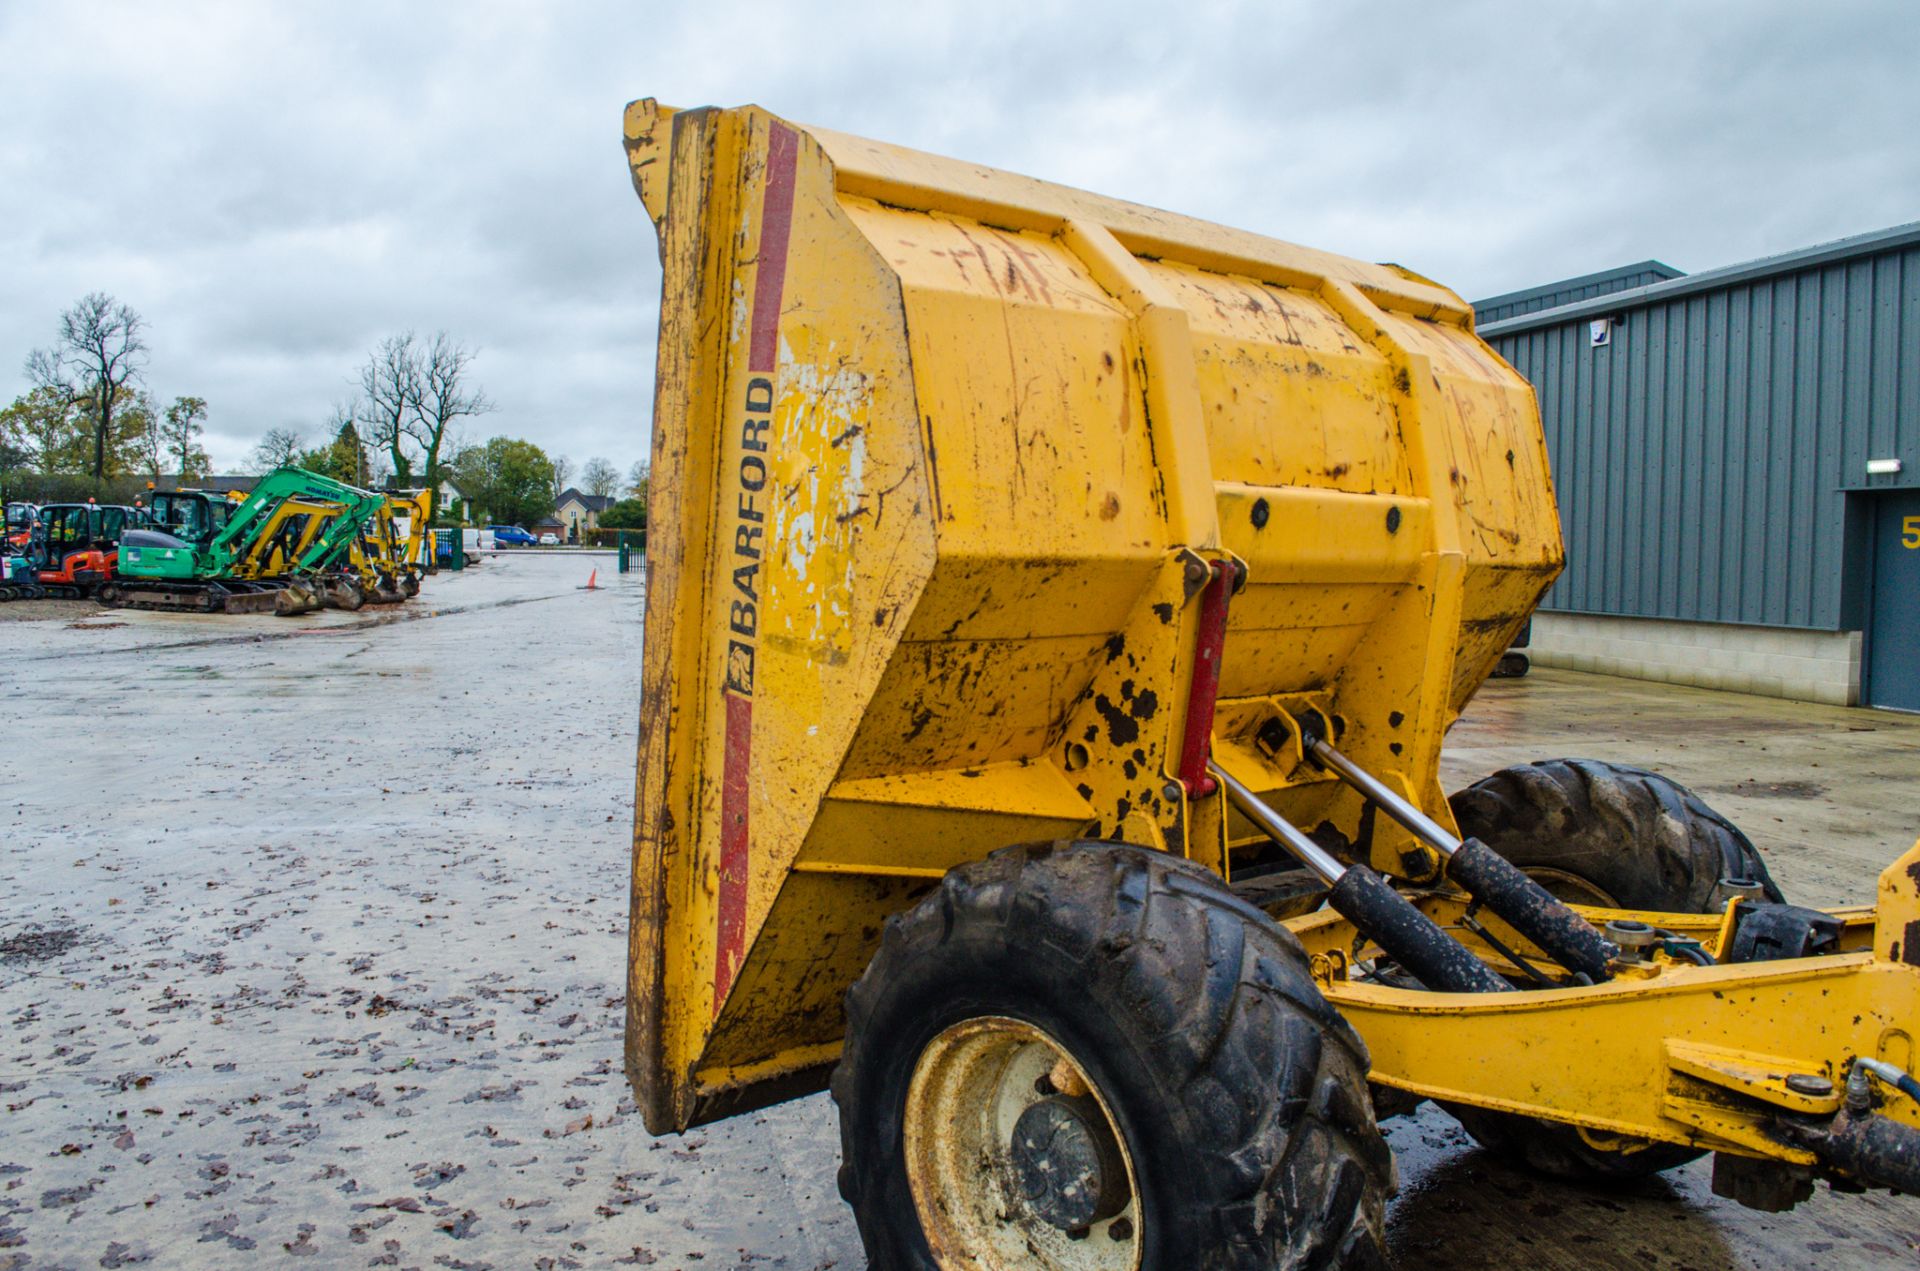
x=1898, y=1078
x=1485, y=875
x=1860, y=1143
x=1368, y=901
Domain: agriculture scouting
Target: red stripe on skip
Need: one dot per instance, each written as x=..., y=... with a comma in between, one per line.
x=770, y=273
x=733, y=846
x=776, y=221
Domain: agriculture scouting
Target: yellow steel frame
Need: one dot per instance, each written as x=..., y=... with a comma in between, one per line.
x=1671, y=1051
x=382, y=554
x=268, y=557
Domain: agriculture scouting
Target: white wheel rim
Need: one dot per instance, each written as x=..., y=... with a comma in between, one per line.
x=969, y=1088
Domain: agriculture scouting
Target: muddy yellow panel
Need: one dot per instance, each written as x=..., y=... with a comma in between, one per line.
x=950, y=469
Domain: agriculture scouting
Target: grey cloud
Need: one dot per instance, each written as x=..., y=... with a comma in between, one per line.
x=276, y=187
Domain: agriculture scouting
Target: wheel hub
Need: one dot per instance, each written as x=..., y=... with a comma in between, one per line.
x=1067, y=1164
x=1013, y=1157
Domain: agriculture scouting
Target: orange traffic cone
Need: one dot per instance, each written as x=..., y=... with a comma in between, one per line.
x=592, y=582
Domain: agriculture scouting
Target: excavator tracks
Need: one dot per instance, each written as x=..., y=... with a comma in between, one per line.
x=40, y=591
x=278, y=597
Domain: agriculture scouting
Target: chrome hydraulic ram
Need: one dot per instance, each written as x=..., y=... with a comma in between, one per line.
x=1367, y=900
x=1487, y=876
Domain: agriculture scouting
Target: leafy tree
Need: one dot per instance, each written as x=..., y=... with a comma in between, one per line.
x=343, y=459
x=600, y=478
x=179, y=433
x=48, y=429
x=625, y=514
x=510, y=478
x=276, y=450
x=134, y=447
x=146, y=443
x=13, y=463
x=14, y=455
x=95, y=359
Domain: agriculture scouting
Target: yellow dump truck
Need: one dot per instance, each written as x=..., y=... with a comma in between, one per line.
x=1055, y=611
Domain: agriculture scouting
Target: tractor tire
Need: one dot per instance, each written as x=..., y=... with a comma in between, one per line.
x=1607, y=834
x=1143, y=1059
x=1602, y=834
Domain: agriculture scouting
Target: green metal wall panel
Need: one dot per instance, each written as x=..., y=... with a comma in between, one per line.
x=1705, y=457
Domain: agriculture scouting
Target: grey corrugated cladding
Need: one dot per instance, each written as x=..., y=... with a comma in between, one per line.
x=1702, y=457
x=1554, y=294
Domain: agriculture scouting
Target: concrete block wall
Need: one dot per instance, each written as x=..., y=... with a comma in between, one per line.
x=1808, y=666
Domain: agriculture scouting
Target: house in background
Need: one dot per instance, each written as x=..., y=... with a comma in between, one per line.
x=578, y=513
x=450, y=504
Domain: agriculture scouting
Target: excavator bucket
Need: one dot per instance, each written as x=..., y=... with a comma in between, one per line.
x=986, y=511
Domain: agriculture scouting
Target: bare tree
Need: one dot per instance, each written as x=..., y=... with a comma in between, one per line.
x=441, y=396
x=95, y=360
x=637, y=479
x=600, y=478
x=278, y=448
x=390, y=385
x=562, y=474
x=377, y=476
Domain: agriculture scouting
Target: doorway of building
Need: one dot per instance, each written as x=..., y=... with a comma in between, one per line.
x=1893, y=628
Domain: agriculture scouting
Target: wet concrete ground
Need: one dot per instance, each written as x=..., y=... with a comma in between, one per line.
x=311, y=942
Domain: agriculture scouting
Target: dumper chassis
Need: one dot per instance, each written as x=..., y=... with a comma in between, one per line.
x=1057, y=607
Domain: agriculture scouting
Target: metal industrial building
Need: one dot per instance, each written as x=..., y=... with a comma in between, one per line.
x=1737, y=459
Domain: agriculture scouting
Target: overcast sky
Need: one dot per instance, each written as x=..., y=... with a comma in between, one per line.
x=277, y=186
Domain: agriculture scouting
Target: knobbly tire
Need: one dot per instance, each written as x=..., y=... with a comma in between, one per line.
x=1609, y=834
x=1091, y=1055
x=1604, y=834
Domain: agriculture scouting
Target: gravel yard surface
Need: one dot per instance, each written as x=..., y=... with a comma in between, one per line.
x=312, y=944
x=312, y=936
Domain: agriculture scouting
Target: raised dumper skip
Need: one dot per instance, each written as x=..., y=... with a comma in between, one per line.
x=1056, y=611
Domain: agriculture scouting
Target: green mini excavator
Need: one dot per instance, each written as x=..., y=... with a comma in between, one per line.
x=202, y=553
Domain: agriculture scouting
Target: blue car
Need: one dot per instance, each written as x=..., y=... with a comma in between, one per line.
x=511, y=536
